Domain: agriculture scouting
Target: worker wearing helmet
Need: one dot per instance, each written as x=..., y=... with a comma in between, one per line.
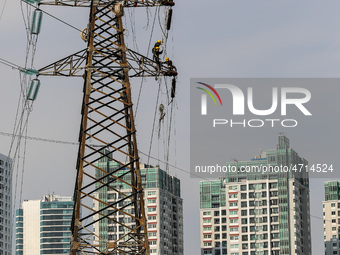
x=170, y=65
x=156, y=52
x=158, y=44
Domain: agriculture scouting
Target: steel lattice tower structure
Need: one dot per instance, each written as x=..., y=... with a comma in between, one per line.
x=107, y=121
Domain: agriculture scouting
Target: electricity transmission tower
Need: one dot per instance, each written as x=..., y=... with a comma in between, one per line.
x=108, y=121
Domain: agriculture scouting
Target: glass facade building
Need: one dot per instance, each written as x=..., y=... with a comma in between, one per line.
x=331, y=216
x=43, y=226
x=255, y=212
x=5, y=205
x=163, y=208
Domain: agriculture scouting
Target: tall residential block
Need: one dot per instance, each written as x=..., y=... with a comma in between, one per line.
x=251, y=212
x=331, y=217
x=43, y=226
x=5, y=205
x=163, y=208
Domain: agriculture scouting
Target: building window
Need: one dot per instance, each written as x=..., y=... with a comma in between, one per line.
x=153, y=242
x=151, y=193
x=206, y=220
x=153, y=217
x=233, y=237
x=273, y=185
x=152, y=225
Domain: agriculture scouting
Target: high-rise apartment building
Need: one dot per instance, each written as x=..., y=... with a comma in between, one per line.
x=163, y=208
x=331, y=216
x=43, y=226
x=251, y=211
x=5, y=205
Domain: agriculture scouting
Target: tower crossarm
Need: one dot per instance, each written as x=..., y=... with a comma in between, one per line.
x=126, y=3
x=72, y=65
x=75, y=64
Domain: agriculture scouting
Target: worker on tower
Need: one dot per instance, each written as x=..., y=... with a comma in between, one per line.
x=156, y=52
x=172, y=69
x=170, y=65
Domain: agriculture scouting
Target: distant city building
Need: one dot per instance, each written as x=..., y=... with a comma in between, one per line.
x=43, y=226
x=331, y=216
x=251, y=213
x=163, y=208
x=5, y=205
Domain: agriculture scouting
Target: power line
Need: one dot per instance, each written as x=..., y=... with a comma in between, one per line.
x=73, y=143
x=10, y=64
x=38, y=139
x=3, y=8
x=145, y=154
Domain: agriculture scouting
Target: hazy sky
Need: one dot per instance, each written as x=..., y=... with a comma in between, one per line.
x=218, y=38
